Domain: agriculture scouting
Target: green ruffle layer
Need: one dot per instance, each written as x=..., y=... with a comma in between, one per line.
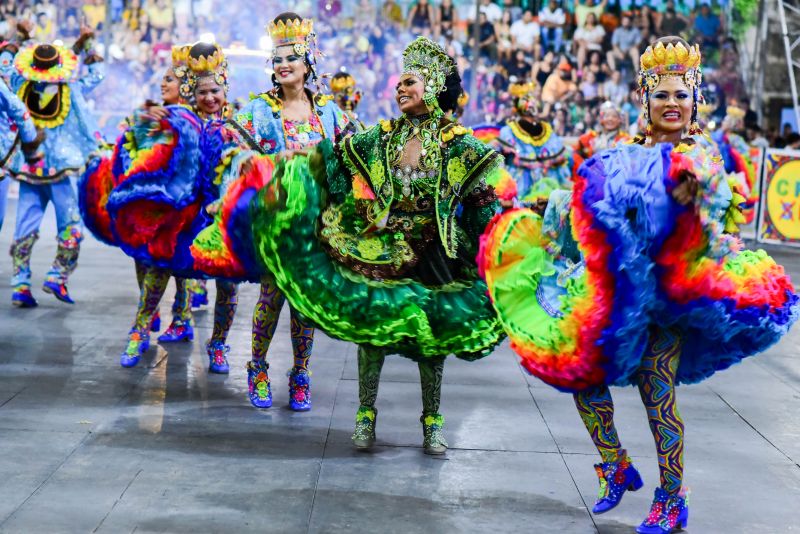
x=402, y=316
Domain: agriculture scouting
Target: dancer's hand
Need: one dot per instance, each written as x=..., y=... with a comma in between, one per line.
x=155, y=113
x=686, y=190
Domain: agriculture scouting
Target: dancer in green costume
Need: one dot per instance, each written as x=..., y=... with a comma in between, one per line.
x=375, y=240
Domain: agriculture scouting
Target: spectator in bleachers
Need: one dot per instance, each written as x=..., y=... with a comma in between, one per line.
x=543, y=68
x=43, y=30
x=392, y=14
x=552, y=20
x=516, y=11
x=94, y=13
x=559, y=84
x=420, y=18
x=365, y=16
x=160, y=14
x=525, y=33
x=614, y=89
x=491, y=10
x=596, y=66
x=502, y=34
x=447, y=19
x=673, y=23
x=520, y=68
x=707, y=28
x=625, y=44
x=487, y=40
x=588, y=37
x=583, y=10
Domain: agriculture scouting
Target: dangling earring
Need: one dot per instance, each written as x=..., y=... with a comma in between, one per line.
x=648, y=130
x=694, y=128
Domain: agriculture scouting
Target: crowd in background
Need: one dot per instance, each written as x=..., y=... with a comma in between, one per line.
x=579, y=53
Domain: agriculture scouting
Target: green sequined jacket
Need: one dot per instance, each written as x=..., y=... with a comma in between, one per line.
x=431, y=235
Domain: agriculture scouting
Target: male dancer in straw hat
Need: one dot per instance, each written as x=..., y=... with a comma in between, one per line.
x=45, y=79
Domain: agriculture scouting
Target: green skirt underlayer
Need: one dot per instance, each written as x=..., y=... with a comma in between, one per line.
x=401, y=316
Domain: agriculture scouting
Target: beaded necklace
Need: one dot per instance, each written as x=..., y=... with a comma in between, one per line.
x=414, y=155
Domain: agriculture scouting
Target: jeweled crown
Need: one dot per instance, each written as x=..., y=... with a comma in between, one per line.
x=342, y=83
x=291, y=32
x=180, y=55
x=213, y=63
x=669, y=60
x=519, y=90
x=428, y=61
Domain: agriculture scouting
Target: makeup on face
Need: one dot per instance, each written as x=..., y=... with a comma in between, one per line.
x=671, y=104
x=409, y=94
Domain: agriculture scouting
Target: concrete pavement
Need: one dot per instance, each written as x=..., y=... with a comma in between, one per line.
x=87, y=446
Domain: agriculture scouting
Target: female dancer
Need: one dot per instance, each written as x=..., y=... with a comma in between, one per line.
x=375, y=241
x=98, y=181
x=204, y=86
x=286, y=121
x=650, y=291
x=535, y=155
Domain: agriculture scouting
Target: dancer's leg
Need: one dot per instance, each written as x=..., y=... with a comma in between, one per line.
x=656, y=380
x=596, y=408
x=370, y=364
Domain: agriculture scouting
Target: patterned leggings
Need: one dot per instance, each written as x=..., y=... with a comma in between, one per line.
x=370, y=364
x=656, y=380
x=181, y=307
x=265, y=320
x=154, y=283
x=224, y=309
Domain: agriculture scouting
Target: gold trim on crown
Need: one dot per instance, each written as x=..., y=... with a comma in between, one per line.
x=519, y=90
x=180, y=55
x=289, y=33
x=342, y=83
x=671, y=60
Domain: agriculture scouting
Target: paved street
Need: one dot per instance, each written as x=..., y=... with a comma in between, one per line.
x=87, y=446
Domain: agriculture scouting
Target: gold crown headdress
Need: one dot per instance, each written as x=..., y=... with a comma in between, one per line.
x=205, y=65
x=520, y=90
x=340, y=84
x=671, y=60
x=295, y=33
x=180, y=54
x=429, y=62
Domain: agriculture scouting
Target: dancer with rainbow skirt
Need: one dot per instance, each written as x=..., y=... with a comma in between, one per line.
x=99, y=180
x=164, y=196
x=283, y=122
x=536, y=157
x=374, y=239
x=633, y=278
x=45, y=78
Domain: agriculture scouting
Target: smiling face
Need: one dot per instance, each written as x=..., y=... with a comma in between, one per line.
x=671, y=105
x=289, y=66
x=209, y=95
x=408, y=94
x=610, y=120
x=170, y=87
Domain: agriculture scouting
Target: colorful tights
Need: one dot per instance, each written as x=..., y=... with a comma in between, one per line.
x=370, y=364
x=154, y=284
x=656, y=380
x=265, y=320
x=224, y=309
